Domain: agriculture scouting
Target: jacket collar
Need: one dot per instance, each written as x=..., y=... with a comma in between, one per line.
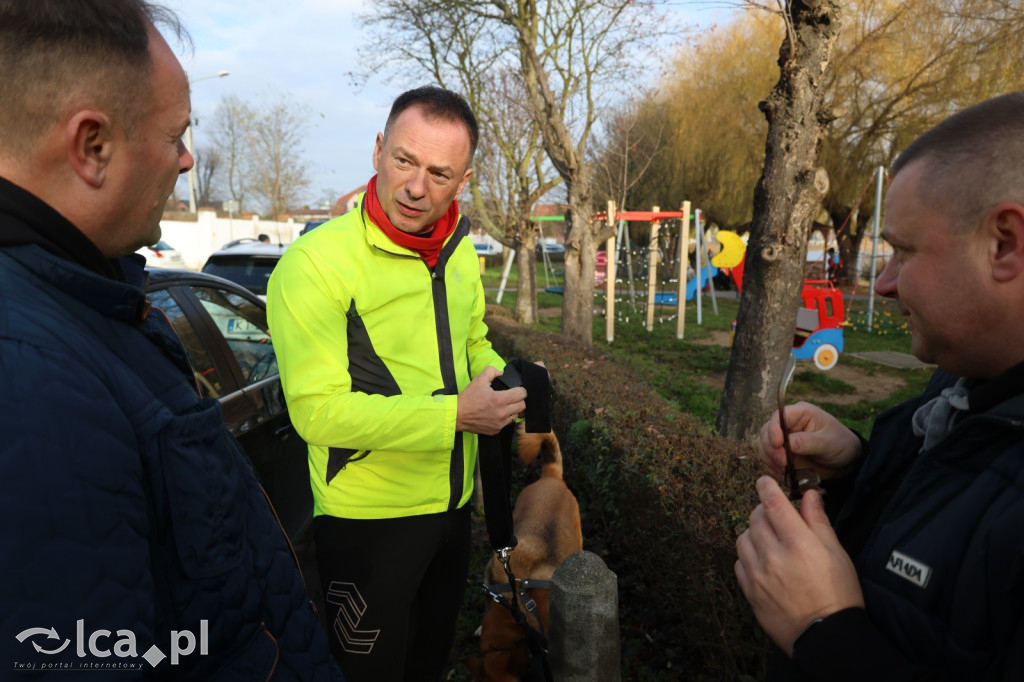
x=27, y=219
x=376, y=237
x=986, y=396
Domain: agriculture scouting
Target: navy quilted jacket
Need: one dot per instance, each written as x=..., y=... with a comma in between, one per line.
x=135, y=536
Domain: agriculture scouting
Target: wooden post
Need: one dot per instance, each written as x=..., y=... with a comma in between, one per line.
x=684, y=263
x=609, y=276
x=652, y=270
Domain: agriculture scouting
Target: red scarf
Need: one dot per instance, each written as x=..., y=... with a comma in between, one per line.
x=427, y=243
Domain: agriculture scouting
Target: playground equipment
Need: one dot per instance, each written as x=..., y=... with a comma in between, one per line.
x=819, y=321
x=819, y=332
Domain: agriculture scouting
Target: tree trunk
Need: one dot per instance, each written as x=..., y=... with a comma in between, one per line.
x=526, y=289
x=786, y=198
x=578, y=300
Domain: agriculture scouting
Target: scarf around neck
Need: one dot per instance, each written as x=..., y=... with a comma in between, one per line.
x=427, y=243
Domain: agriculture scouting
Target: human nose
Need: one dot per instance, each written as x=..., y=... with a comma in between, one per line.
x=185, y=158
x=416, y=185
x=886, y=283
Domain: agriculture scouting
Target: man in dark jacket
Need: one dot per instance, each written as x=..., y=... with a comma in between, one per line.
x=920, y=574
x=135, y=536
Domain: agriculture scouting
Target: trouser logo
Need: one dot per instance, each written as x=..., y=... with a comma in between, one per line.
x=102, y=644
x=351, y=607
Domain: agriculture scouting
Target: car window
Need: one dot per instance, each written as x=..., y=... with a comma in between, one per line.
x=243, y=324
x=252, y=273
x=205, y=372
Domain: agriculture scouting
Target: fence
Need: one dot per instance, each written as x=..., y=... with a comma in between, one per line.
x=196, y=240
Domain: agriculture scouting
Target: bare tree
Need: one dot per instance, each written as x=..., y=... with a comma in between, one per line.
x=514, y=176
x=786, y=199
x=277, y=172
x=511, y=170
x=631, y=143
x=207, y=166
x=232, y=123
x=567, y=53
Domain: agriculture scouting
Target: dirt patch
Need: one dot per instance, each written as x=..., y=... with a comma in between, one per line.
x=868, y=384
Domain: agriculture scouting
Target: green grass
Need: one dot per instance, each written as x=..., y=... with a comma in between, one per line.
x=674, y=367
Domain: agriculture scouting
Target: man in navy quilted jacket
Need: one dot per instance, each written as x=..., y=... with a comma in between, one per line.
x=135, y=537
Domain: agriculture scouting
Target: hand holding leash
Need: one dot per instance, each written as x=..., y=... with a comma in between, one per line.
x=485, y=411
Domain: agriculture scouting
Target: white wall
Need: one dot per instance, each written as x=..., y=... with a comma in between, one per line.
x=197, y=240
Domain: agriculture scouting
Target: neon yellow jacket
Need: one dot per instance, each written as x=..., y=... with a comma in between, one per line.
x=373, y=349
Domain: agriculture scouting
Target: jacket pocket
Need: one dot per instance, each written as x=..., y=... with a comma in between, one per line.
x=205, y=477
x=339, y=458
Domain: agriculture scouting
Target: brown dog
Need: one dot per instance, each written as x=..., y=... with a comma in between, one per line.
x=546, y=521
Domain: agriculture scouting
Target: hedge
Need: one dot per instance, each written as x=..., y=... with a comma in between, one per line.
x=664, y=498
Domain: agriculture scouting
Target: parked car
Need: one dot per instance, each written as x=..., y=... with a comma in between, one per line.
x=248, y=264
x=311, y=225
x=162, y=255
x=487, y=248
x=224, y=328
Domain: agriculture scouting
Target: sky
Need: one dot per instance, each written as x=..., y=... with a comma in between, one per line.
x=304, y=50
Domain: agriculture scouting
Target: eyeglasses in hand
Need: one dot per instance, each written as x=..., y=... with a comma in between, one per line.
x=798, y=480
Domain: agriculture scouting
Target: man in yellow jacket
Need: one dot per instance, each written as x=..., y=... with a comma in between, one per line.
x=377, y=319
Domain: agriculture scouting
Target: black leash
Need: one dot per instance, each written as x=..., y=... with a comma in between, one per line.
x=496, y=475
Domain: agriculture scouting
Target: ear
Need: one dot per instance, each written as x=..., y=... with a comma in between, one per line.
x=89, y=144
x=1006, y=228
x=377, y=148
x=465, y=179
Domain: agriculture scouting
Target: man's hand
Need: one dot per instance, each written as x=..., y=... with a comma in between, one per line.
x=791, y=567
x=818, y=441
x=486, y=411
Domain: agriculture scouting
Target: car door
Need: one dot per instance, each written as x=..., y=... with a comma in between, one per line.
x=224, y=329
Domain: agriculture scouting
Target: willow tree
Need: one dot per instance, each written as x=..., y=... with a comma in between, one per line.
x=900, y=67
x=786, y=199
x=569, y=55
x=707, y=106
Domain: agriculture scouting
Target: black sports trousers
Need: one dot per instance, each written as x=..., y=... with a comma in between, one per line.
x=393, y=589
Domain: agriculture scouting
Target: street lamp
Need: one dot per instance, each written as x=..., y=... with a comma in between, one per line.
x=191, y=149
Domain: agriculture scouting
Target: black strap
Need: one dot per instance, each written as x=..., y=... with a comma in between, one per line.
x=496, y=476
x=496, y=451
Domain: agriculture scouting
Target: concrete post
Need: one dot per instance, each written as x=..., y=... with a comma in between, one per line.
x=584, y=620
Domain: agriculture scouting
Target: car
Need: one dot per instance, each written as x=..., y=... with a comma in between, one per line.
x=312, y=224
x=551, y=247
x=162, y=255
x=223, y=326
x=248, y=264
x=487, y=248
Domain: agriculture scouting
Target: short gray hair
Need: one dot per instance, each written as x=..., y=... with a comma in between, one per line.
x=59, y=54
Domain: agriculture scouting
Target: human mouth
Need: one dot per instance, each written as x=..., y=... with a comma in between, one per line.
x=410, y=211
